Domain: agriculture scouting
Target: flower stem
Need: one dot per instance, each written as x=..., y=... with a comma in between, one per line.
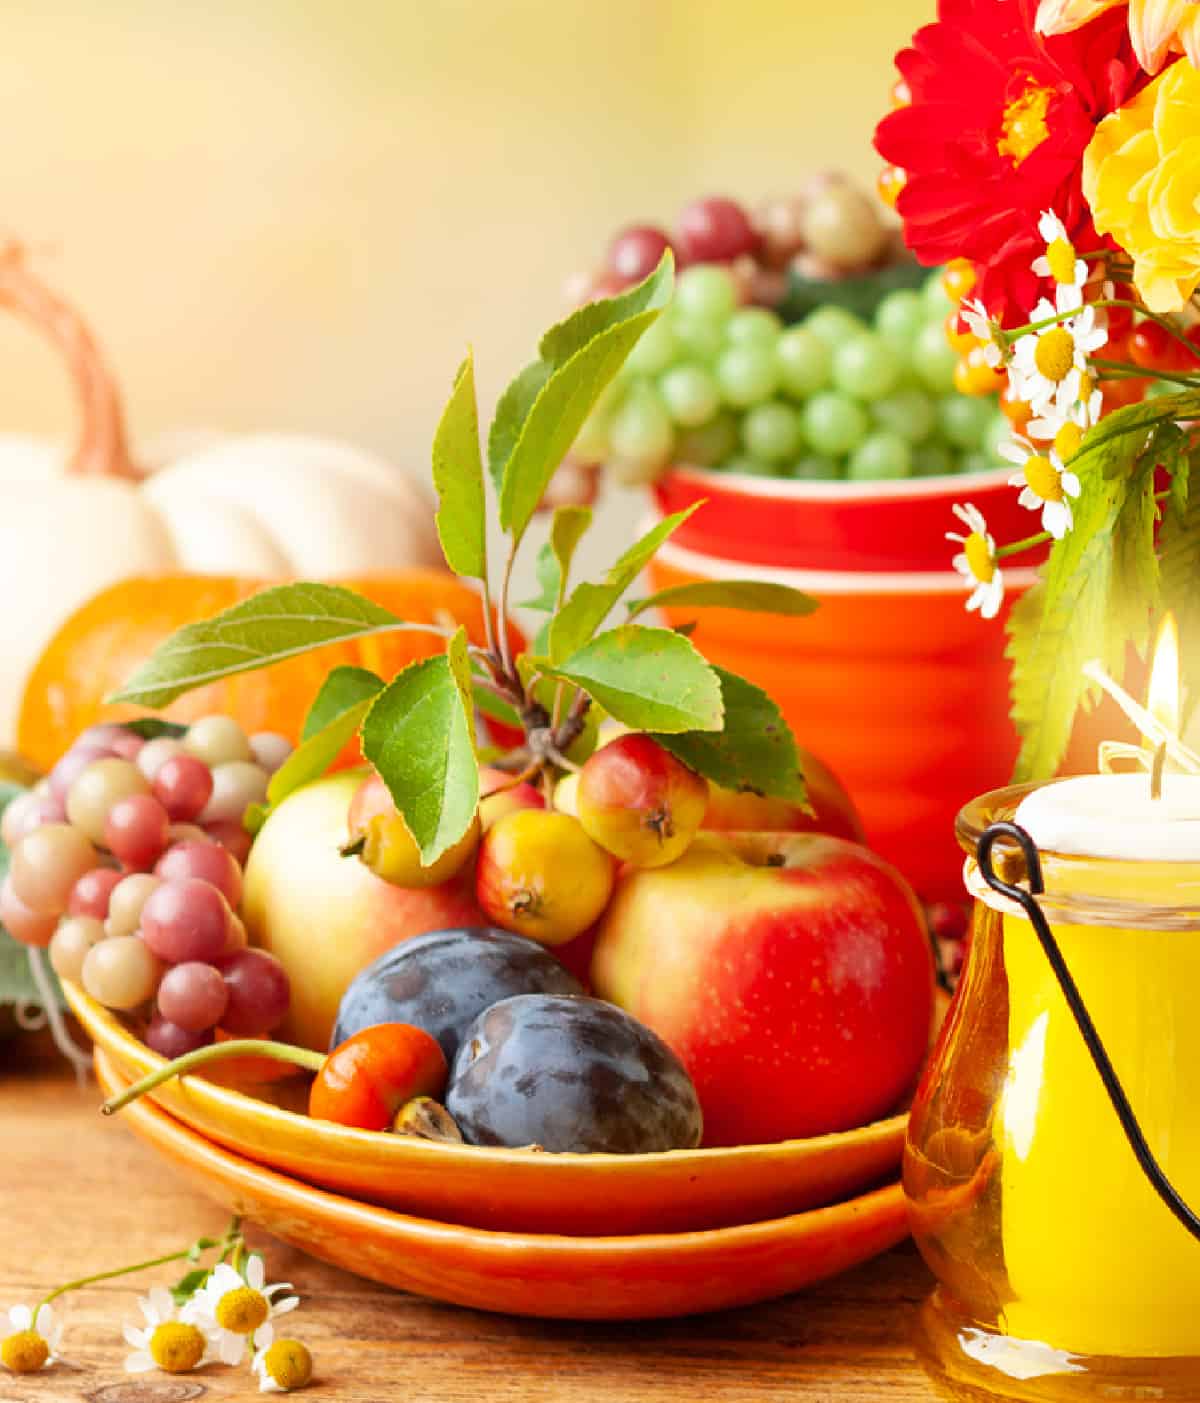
x=215, y=1052
x=1132, y=372
x=1040, y=539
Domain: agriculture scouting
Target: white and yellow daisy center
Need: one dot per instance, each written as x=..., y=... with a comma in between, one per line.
x=289, y=1363
x=979, y=557
x=1044, y=479
x=1055, y=353
x=242, y=1311
x=176, y=1347
x=24, y=1352
x=1067, y=440
x=1060, y=254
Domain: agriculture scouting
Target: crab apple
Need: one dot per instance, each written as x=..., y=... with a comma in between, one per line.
x=791, y=973
x=539, y=874
x=501, y=796
x=640, y=803
x=325, y=916
x=379, y=835
x=829, y=809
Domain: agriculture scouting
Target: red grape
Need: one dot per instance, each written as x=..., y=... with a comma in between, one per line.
x=128, y=745
x=194, y=996
x=155, y=754
x=29, y=811
x=73, y=764
x=169, y=1040
x=135, y=831
x=259, y=992
x=105, y=734
x=29, y=927
x=90, y=894
x=208, y=861
x=635, y=252
x=185, y=920
x=183, y=785
x=233, y=837
x=716, y=230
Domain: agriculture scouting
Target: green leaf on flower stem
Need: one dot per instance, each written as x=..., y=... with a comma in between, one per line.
x=749, y=596
x=458, y=478
x=589, y=604
x=554, y=559
x=188, y=1284
x=419, y=735
x=649, y=678
x=344, y=688
x=1179, y=544
x=1117, y=439
x=1135, y=582
x=583, y=354
x=755, y=751
x=16, y=981
x=267, y=628
x=512, y=410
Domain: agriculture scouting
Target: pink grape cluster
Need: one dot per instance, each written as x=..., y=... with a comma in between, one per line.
x=127, y=864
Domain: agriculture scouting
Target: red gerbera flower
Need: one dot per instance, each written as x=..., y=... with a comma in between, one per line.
x=995, y=134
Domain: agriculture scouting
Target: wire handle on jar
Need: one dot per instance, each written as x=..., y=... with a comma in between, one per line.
x=1026, y=899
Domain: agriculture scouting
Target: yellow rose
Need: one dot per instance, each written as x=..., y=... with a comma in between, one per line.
x=1141, y=176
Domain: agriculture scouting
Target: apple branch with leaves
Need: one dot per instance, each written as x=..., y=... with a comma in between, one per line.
x=418, y=729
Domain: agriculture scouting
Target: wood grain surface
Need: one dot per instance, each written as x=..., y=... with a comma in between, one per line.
x=79, y=1195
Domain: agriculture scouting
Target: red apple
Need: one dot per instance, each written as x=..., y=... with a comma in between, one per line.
x=639, y=802
x=832, y=809
x=791, y=973
x=326, y=916
x=500, y=796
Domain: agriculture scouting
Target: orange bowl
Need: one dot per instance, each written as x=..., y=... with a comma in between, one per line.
x=891, y=682
x=513, y=1190
x=573, y=1278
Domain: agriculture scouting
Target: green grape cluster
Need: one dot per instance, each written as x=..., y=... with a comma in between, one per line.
x=716, y=385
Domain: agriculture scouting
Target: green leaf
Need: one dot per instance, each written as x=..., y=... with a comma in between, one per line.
x=418, y=735
x=576, y=380
x=1179, y=544
x=512, y=410
x=458, y=478
x=494, y=707
x=1119, y=436
x=152, y=727
x=648, y=678
x=754, y=752
x=1135, y=582
x=271, y=626
x=750, y=596
x=16, y=981
x=343, y=688
x=554, y=559
x=188, y=1284
x=590, y=604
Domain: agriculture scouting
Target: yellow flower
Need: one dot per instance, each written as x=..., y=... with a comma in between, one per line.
x=1141, y=176
x=1156, y=27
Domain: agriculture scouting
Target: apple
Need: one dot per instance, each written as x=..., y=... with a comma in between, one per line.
x=791, y=973
x=501, y=796
x=832, y=809
x=380, y=837
x=326, y=916
x=639, y=802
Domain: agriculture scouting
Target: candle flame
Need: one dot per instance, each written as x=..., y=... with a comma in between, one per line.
x=1162, y=696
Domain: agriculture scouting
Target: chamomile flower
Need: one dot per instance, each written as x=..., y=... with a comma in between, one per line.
x=1060, y=261
x=977, y=562
x=1046, y=485
x=1049, y=366
x=232, y=1310
x=983, y=329
x=282, y=1366
x=166, y=1341
x=32, y=1343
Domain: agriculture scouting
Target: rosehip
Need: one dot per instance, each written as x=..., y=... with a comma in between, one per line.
x=539, y=874
x=640, y=803
x=379, y=835
x=370, y=1076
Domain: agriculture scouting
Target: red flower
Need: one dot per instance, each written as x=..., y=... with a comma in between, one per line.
x=995, y=134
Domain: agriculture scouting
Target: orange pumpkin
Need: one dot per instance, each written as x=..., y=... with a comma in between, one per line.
x=102, y=643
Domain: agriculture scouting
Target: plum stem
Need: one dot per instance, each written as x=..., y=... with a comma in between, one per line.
x=214, y=1052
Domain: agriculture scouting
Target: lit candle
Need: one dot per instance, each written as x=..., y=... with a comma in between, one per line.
x=1096, y=1262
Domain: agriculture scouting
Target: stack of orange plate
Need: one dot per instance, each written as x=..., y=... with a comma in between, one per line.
x=616, y=1237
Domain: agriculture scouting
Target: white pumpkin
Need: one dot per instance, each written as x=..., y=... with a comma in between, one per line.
x=272, y=505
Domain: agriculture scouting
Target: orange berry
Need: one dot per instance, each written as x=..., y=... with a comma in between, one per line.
x=901, y=93
x=961, y=341
x=958, y=279
x=973, y=375
x=1017, y=411
x=1119, y=393
x=890, y=183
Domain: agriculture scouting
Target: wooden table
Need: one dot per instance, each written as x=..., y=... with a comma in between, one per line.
x=79, y=1195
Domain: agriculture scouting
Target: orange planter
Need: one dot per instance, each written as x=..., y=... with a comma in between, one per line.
x=891, y=682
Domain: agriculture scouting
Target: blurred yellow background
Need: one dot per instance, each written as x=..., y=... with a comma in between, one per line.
x=294, y=214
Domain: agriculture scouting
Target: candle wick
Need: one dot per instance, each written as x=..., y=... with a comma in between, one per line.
x=1156, y=772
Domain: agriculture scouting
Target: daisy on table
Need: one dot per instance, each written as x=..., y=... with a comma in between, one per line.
x=166, y=1341
x=235, y=1312
x=33, y=1342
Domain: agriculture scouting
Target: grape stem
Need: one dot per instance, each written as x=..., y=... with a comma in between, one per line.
x=215, y=1052
x=59, y=1031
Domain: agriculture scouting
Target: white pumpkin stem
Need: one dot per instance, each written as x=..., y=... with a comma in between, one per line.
x=103, y=447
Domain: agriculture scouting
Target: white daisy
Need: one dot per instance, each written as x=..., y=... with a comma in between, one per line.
x=234, y=1311
x=977, y=563
x=1046, y=485
x=1059, y=261
x=282, y=1366
x=31, y=1344
x=983, y=329
x=166, y=1341
x=1049, y=366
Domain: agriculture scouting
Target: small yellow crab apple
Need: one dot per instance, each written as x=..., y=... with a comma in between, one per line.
x=1046, y=484
x=977, y=562
x=166, y=1341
